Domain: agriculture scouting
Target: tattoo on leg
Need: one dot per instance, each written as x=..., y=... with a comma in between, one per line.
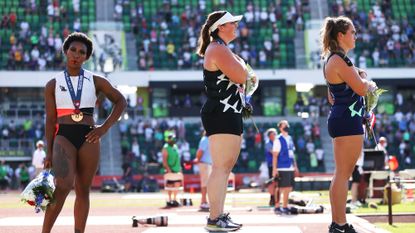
x=60, y=161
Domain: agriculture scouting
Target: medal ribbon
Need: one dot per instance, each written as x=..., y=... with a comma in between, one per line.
x=76, y=98
x=220, y=41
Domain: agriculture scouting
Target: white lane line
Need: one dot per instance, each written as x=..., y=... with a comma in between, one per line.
x=285, y=229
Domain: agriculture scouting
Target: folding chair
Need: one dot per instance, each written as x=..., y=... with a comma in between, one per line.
x=174, y=182
x=407, y=188
x=177, y=177
x=377, y=175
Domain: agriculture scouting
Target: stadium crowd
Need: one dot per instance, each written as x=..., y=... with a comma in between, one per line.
x=32, y=32
x=142, y=140
x=385, y=31
x=166, y=32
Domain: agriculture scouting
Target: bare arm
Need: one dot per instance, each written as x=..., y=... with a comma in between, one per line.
x=338, y=71
x=165, y=164
x=230, y=64
x=275, y=163
x=199, y=154
x=102, y=85
x=362, y=73
x=296, y=171
x=51, y=120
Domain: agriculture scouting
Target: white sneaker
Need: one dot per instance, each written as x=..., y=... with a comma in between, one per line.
x=356, y=204
x=204, y=206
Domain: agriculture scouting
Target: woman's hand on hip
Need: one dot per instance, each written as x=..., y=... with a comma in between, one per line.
x=95, y=135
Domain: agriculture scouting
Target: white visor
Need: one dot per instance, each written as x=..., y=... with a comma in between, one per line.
x=226, y=18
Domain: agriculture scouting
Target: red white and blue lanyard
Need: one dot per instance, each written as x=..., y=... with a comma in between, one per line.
x=76, y=98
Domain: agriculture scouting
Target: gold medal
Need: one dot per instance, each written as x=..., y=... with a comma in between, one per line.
x=77, y=117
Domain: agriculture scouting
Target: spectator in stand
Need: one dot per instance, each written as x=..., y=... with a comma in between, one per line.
x=320, y=158
x=38, y=158
x=127, y=176
x=23, y=175
x=346, y=86
x=382, y=144
x=4, y=178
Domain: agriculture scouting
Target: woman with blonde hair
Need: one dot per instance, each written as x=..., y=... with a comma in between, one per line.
x=347, y=85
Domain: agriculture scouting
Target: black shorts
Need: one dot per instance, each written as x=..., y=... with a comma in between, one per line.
x=341, y=123
x=74, y=133
x=356, y=175
x=218, y=122
x=172, y=182
x=285, y=179
x=347, y=126
x=270, y=172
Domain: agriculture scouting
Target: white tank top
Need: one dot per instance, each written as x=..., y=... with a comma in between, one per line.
x=63, y=97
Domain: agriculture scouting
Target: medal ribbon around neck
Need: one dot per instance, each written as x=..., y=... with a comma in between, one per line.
x=220, y=41
x=76, y=98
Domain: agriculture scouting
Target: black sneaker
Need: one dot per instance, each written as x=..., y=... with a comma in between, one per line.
x=277, y=210
x=226, y=215
x=286, y=210
x=271, y=201
x=346, y=228
x=174, y=203
x=222, y=223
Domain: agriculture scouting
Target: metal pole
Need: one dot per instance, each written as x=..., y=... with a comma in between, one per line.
x=389, y=194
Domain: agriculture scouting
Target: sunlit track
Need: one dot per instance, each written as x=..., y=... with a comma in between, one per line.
x=112, y=212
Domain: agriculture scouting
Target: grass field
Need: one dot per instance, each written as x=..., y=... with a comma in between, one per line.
x=404, y=207
x=407, y=207
x=398, y=227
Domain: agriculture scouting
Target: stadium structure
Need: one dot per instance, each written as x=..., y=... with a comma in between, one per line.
x=147, y=49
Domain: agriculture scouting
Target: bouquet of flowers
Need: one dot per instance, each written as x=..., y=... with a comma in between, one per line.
x=371, y=100
x=39, y=192
x=251, y=85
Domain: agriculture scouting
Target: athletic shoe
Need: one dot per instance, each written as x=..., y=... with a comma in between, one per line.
x=204, y=206
x=356, y=203
x=174, y=203
x=277, y=210
x=346, y=228
x=222, y=223
x=285, y=211
x=271, y=201
x=230, y=220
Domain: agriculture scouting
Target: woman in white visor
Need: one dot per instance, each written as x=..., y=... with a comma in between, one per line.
x=224, y=74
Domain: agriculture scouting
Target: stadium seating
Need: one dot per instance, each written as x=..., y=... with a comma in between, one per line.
x=36, y=16
x=252, y=153
x=395, y=17
x=191, y=13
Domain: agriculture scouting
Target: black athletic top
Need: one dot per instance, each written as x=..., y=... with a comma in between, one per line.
x=223, y=95
x=341, y=93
